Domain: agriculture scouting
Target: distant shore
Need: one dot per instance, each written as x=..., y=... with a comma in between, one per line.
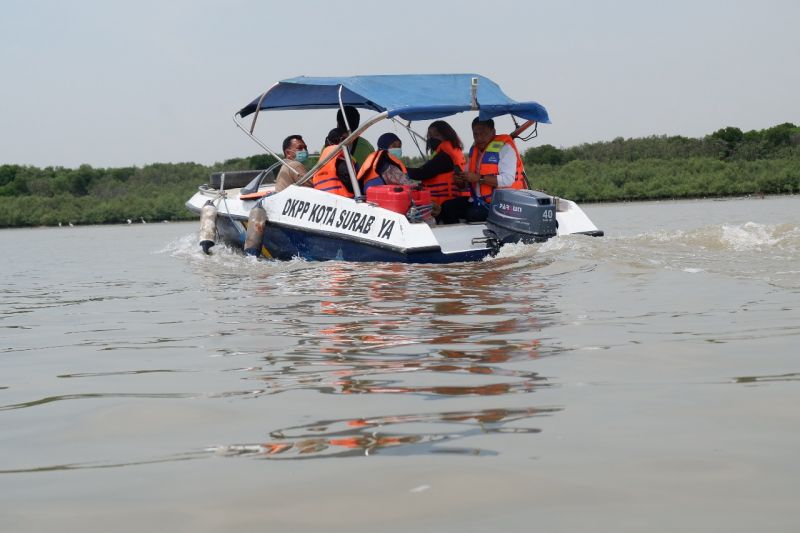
x=726, y=164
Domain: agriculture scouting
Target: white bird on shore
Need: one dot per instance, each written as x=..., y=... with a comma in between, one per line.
x=71, y=225
x=142, y=219
x=129, y=221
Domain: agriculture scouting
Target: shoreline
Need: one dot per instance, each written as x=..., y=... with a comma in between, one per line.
x=192, y=217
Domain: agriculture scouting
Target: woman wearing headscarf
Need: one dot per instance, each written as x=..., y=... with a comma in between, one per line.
x=383, y=166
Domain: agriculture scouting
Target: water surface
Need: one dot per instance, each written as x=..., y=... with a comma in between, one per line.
x=647, y=380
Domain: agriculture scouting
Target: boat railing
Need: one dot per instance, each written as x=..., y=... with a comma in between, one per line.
x=342, y=145
x=339, y=147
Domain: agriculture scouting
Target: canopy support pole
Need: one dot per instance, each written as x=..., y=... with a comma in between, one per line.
x=372, y=121
x=348, y=160
x=414, y=136
x=261, y=144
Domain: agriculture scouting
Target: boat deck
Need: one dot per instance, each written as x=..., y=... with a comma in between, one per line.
x=458, y=237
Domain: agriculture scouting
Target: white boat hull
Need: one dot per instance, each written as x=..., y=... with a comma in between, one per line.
x=316, y=225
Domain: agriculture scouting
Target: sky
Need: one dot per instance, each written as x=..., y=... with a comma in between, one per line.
x=114, y=83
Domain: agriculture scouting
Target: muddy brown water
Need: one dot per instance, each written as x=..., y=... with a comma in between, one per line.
x=644, y=381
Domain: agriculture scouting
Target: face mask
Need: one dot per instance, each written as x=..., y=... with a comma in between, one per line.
x=433, y=144
x=301, y=155
x=397, y=152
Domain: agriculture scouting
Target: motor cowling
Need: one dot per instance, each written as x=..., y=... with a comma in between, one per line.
x=519, y=215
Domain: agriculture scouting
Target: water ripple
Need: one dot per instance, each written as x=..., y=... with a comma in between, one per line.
x=395, y=434
x=353, y=375
x=792, y=376
x=121, y=373
x=353, y=437
x=94, y=395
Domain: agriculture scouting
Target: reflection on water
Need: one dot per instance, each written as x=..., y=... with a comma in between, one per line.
x=794, y=376
x=101, y=465
x=478, y=307
x=134, y=377
x=399, y=435
x=119, y=373
x=393, y=329
x=352, y=375
x=89, y=396
x=402, y=334
x=459, y=346
x=375, y=327
x=369, y=436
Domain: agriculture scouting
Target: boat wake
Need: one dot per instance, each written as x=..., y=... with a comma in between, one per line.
x=765, y=252
x=227, y=259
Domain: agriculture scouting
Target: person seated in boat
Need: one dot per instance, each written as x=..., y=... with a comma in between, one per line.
x=333, y=176
x=438, y=173
x=384, y=166
x=349, y=122
x=494, y=162
x=295, y=153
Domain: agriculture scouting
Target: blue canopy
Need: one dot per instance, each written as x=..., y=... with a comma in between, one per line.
x=409, y=96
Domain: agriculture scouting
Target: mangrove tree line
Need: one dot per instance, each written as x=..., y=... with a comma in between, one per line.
x=724, y=163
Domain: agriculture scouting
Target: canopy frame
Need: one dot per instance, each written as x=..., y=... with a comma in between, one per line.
x=377, y=87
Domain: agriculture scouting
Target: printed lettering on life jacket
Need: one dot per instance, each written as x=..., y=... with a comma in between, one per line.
x=489, y=165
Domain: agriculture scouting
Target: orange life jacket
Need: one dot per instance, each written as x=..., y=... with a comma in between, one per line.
x=326, y=179
x=442, y=186
x=369, y=168
x=490, y=162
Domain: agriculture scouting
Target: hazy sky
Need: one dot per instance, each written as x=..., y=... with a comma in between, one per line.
x=117, y=83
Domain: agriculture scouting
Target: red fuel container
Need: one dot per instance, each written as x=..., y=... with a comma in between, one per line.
x=421, y=197
x=397, y=198
x=392, y=197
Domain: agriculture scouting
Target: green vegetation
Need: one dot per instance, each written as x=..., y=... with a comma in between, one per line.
x=727, y=162
x=30, y=196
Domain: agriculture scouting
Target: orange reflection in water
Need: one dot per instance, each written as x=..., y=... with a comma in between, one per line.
x=363, y=436
x=377, y=375
x=379, y=325
x=408, y=304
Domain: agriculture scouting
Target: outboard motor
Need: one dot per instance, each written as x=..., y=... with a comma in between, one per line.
x=519, y=215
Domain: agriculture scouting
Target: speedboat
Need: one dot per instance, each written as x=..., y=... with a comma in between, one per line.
x=243, y=210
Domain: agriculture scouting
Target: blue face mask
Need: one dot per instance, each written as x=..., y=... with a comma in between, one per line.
x=397, y=152
x=301, y=155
